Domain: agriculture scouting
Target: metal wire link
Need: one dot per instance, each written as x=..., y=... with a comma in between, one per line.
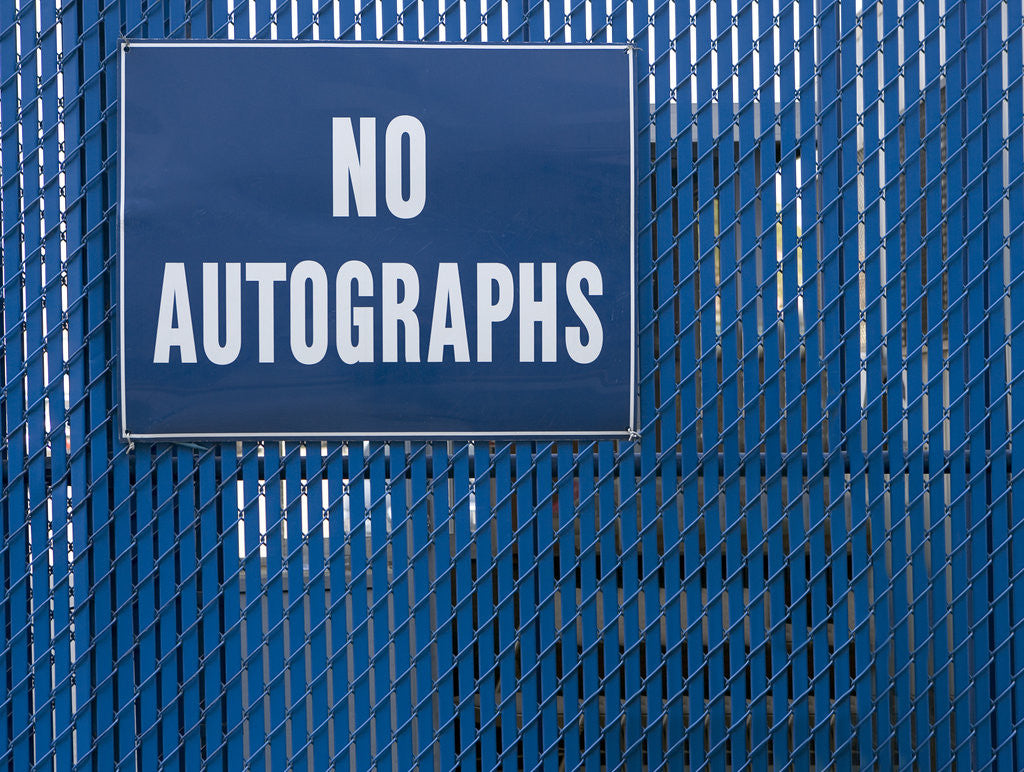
x=808, y=555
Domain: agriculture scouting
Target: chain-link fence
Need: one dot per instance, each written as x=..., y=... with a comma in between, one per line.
x=813, y=552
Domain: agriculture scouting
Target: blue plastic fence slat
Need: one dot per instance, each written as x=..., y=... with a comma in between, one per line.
x=188, y=643
x=317, y=485
x=379, y=536
x=420, y=518
x=564, y=518
x=337, y=551
x=810, y=555
x=401, y=591
x=295, y=562
x=974, y=497
x=358, y=586
x=462, y=639
x=16, y=694
x=547, y=662
x=608, y=741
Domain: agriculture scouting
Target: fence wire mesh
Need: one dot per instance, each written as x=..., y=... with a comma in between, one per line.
x=812, y=554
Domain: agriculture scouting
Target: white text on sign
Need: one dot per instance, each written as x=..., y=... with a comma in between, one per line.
x=356, y=288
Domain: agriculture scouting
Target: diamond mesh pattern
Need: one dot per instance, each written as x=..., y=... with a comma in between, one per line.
x=812, y=554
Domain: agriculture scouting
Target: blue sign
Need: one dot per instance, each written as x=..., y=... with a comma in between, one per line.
x=326, y=240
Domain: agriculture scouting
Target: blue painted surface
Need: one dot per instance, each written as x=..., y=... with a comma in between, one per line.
x=812, y=552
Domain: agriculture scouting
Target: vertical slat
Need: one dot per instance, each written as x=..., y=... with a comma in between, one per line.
x=126, y=614
x=833, y=277
x=958, y=36
x=748, y=178
x=486, y=600
x=444, y=581
x=805, y=618
x=814, y=564
x=567, y=576
x=637, y=551
x=590, y=607
x=680, y=496
x=704, y=604
x=357, y=584
x=337, y=494
x=533, y=22
x=903, y=217
x=781, y=745
x=402, y=593
x=16, y=695
x=505, y=561
x=209, y=532
x=527, y=685
x=317, y=541
x=608, y=742
x=1000, y=127
x=146, y=469
x=630, y=719
x=462, y=650
x=379, y=535
x=656, y=323
x=93, y=614
x=731, y=205
x=57, y=139
x=187, y=602
x=165, y=672
x=992, y=441
x=422, y=567
x=809, y=237
x=924, y=362
x=221, y=593
x=295, y=559
x=881, y=362
x=942, y=337
x=853, y=692
x=972, y=433
x=275, y=455
x=43, y=354
x=232, y=662
x=546, y=665
x=252, y=606
x=731, y=738
x=1013, y=239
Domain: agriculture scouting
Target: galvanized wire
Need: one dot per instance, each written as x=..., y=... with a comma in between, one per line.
x=811, y=555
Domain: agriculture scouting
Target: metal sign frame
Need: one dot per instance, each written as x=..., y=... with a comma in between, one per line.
x=628, y=431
